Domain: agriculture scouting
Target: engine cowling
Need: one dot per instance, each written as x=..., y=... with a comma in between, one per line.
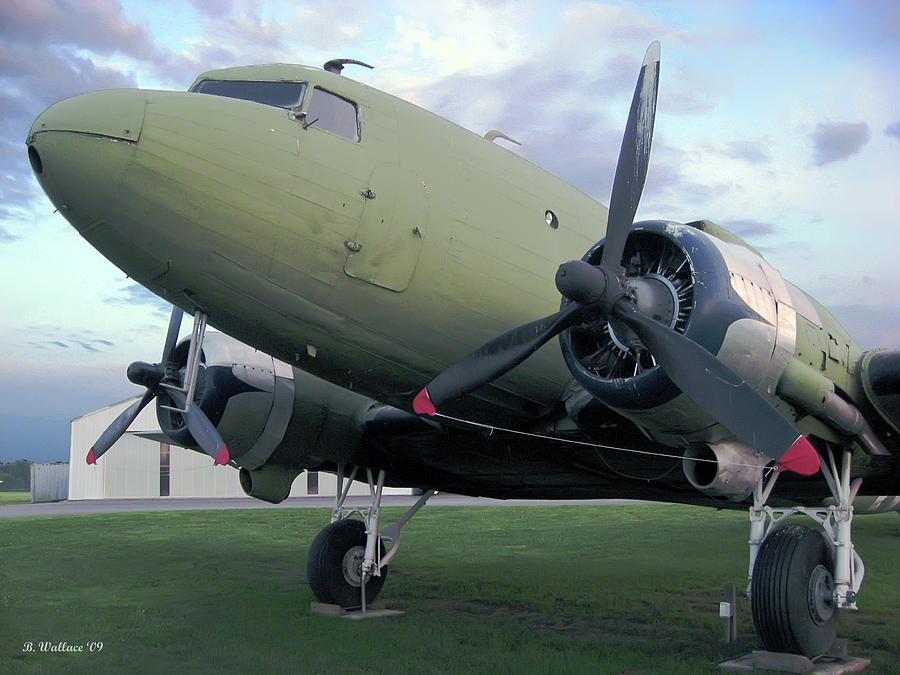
x=707, y=284
x=247, y=394
x=275, y=419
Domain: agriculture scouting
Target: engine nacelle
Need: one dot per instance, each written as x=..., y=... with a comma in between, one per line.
x=245, y=393
x=702, y=282
x=728, y=470
x=275, y=419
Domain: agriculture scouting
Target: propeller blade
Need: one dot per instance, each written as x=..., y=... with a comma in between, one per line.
x=202, y=429
x=634, y=156
x=115, y=430
x=493, y=359
x=172, y=333
x=722, y=393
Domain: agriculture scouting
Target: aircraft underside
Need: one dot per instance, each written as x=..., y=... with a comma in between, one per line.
x=479, y=460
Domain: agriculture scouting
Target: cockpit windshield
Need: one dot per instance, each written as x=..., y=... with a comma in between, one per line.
x=278, y=94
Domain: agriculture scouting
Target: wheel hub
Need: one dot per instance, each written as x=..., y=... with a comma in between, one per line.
x=352, y=565
x=821, y=595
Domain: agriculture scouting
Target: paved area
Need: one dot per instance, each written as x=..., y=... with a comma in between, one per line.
x=88, y=506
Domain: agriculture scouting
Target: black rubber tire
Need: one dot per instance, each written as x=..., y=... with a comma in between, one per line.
x=792, y=611
x=325, y=565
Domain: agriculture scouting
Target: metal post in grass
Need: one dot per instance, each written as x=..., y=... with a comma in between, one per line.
x=728, y=612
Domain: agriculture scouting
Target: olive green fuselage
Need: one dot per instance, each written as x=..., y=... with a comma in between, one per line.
x=236, y=208
x=373, y=262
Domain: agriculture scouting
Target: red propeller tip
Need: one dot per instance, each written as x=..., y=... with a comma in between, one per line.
x=800, y=458
x=91, y=458
x=422, y=404
x=223, y=456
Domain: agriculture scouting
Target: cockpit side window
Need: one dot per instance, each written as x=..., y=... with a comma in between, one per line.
x=330, y=112
x=279, y=94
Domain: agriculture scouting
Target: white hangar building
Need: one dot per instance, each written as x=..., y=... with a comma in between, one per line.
x=138, y=465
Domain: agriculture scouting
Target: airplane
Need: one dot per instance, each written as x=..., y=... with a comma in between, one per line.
x=376, y=273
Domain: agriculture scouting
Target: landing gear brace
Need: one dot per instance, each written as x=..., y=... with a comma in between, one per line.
x=798, y=577
x=361, y=554
x=195, y=349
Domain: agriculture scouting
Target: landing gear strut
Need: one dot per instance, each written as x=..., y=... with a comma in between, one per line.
x=347, y=561
x=800, y=578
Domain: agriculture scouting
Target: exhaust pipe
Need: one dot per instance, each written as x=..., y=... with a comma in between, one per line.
x=729, y=470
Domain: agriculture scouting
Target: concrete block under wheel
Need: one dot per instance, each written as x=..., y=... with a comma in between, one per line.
x=794, y=663
x=373, y=611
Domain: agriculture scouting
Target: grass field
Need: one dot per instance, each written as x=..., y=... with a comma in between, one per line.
x=556, y=589
x=15, y=498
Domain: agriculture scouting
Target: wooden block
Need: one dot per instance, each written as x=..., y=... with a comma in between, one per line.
x=793, y=663
x=838, y=649
x=742, y=663
x=325, y=609
x=371, y=614
x=786, y=663
x=373, y=611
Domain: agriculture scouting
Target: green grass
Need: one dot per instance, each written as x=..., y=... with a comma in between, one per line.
x=574, y=589
x=15, y=498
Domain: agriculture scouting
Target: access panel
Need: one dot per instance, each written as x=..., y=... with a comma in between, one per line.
x=386, y=248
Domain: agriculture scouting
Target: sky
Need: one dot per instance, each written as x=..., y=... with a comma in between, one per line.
x=779, y=120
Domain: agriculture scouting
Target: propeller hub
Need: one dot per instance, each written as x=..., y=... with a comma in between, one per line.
x=655, y=296
x=145, y=374
x=594, y=287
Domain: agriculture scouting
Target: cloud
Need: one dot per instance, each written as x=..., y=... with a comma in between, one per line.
x=562, y=131
x=893, y=130
x=684, y=102
x=38, y=398
x=749, y=227
x=833, y=142
x=36, y=437
x=558, y=112
x=50, y=50
x=6, y=237
x=587, y=24
x=753, y=152
x=866, y=24
x=100, y=26
x=213, y=8
x=239, y=33
x=340, y=26
x=17, y=188
x=66, y=342
x=871, y=326
x=135, y=294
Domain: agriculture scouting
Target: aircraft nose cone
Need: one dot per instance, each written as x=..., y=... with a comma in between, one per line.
x=112, y=113
x=79, y=149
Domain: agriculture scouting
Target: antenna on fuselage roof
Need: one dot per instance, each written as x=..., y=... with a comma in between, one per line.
x=337, y=65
